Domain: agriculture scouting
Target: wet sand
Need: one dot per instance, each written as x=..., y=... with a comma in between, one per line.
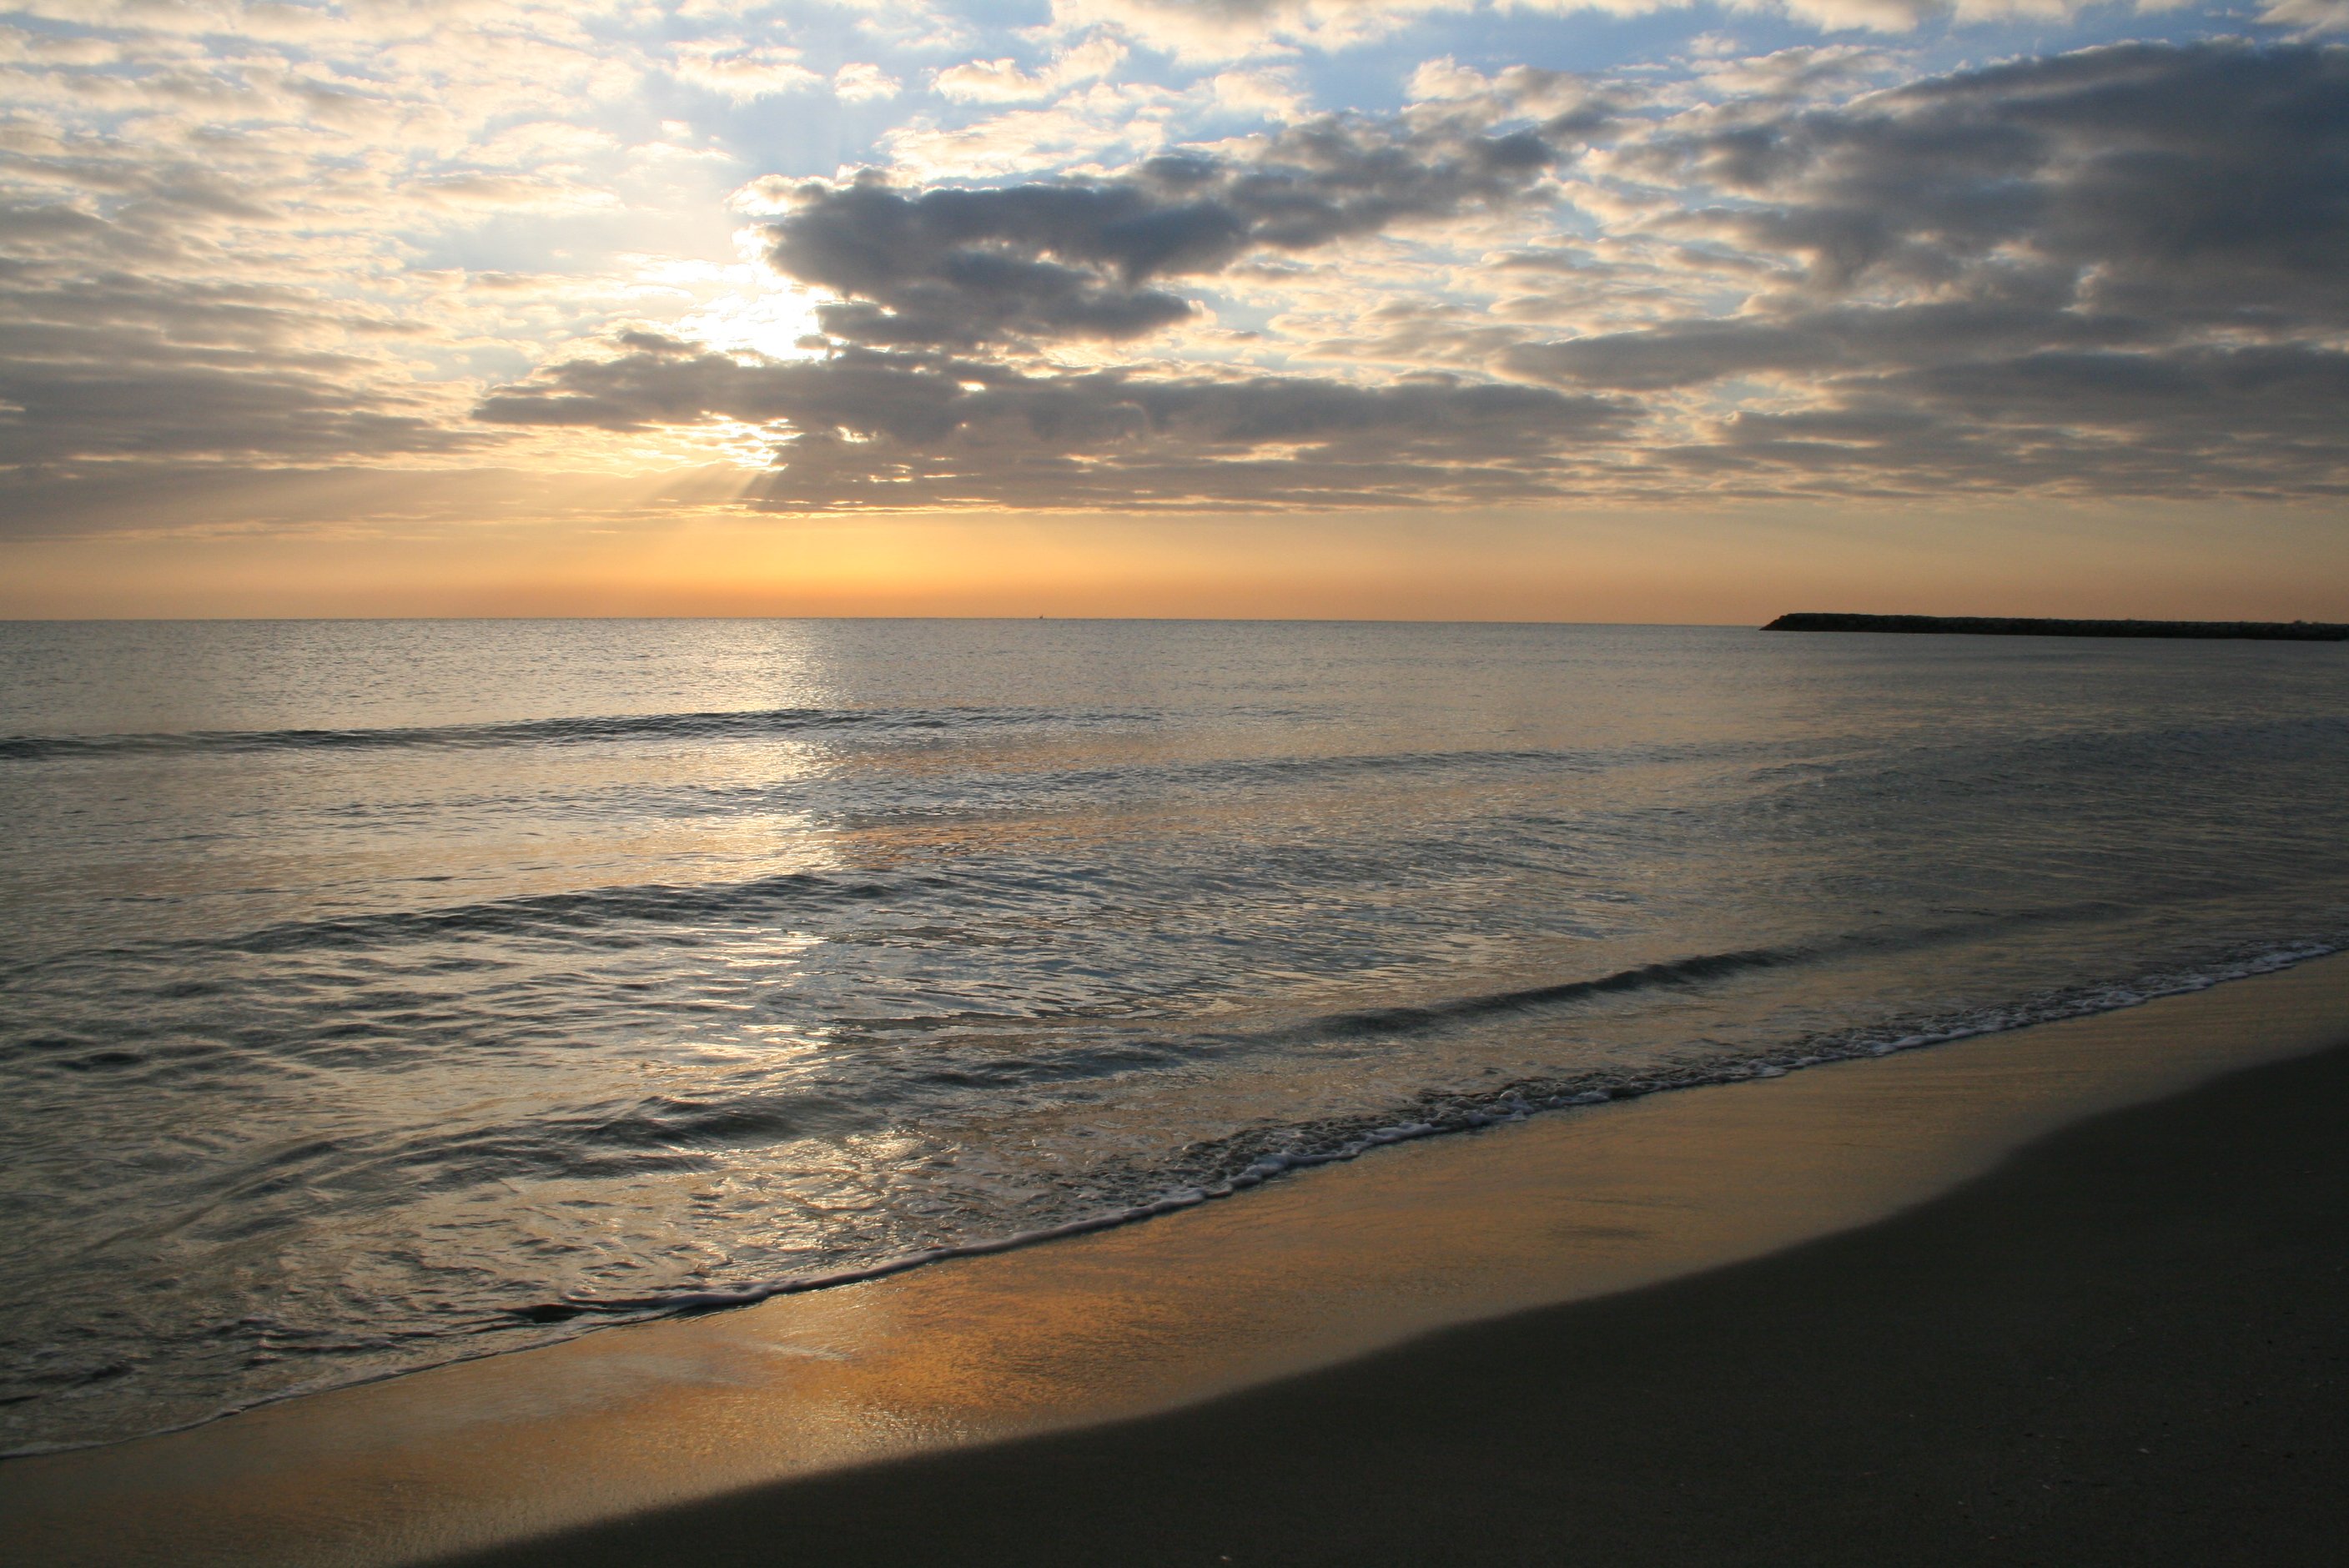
x=2130, y=1345
x=2125, y=1346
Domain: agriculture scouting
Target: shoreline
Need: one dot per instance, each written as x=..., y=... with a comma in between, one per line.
x=1507, y=1107
x=2127, y=1345
x=1326, y=1267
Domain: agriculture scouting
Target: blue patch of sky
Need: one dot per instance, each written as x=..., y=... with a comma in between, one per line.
x=560, y=244
x=811, y=133
x=1373, y=77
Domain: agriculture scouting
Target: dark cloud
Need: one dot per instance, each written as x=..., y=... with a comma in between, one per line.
x=70, y=397
x=2258, y=422
x=2120, y=269
x=63, y=501
x=1077, y=259
x=901, y=429
x=1806, y=344
x=2209, y=182
x=105, y=365
x=916, y=402
x=924, y=395
x=126, y=335
x=55, y=414
x=2114, y=270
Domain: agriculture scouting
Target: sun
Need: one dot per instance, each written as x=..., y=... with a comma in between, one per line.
x=742, y=306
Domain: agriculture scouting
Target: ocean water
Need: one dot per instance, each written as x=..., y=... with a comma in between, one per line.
x=374, y=995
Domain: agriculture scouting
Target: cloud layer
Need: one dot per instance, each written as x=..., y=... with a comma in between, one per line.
x=1135, y=253
x=900, y=429
x=2113, y=272
x=2117, y=267
x=1082, y=258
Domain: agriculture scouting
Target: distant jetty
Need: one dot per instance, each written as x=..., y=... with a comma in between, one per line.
x=2031, y=626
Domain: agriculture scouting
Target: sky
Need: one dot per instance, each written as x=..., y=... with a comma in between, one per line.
x=1605, y=310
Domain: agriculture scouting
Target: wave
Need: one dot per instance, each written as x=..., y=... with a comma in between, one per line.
x=573, y=914
x=1208, y=1172
x=1677, y=972
x=1333, y=1142
x=584, y=917
x=711, y=726
x=1674, y=972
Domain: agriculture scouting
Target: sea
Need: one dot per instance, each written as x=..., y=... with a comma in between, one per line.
x=375, y=994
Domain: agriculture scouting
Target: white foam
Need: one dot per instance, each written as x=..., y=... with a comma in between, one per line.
x=1509, y=1106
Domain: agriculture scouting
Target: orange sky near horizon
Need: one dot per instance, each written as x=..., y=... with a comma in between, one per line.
x=1731, y=565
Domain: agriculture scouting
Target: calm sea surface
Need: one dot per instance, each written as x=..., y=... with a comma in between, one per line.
x=377, y=994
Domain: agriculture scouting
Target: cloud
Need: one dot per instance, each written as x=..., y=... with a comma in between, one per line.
x=2253, y=422
x=1003, y=81
x=1234, y=29
x=1229, y=30
x=1088, y=126
x=2119, y=266
x=860, y=83
x=2114, y=269
x=2210, y=179
x=113, y=367
x=1083, y=259
x=109, y=365
x=2310, y=18
x=1096, y=124
x=218, y=226
x=232, y=407
x=744, y=73
x=864, y=428
x=1272, y=94
x=1808, y=343
x=339, y=500
x=278, y=238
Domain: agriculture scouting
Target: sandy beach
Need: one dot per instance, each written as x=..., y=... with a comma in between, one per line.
x=1819, y=1318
